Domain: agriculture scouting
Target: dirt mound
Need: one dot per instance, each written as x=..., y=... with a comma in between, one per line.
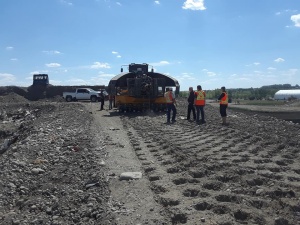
x=12, y=97
x=49, y=162
x=293, y=103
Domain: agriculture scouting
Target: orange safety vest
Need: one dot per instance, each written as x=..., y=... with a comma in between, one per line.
x=224, y=100
x=169, y=97
x=200, y=99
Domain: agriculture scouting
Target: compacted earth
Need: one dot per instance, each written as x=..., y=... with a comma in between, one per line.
x=64, y=163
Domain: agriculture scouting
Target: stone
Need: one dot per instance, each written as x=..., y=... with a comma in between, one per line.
x=130, y=175
x=259, y=191
x=37, y=171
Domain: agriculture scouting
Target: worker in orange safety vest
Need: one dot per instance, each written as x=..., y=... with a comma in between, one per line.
x=199, y=104
x=170, y=100
x=223, y=98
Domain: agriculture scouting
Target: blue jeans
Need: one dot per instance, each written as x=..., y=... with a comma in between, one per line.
x=173, y=108
x=200, y=110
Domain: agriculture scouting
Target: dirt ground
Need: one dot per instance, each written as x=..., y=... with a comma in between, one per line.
x=61, y=164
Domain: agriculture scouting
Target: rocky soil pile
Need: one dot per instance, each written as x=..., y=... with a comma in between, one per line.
x=51, y=164
x=52, y=169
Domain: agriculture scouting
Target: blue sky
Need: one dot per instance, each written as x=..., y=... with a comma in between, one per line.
x=214, y=43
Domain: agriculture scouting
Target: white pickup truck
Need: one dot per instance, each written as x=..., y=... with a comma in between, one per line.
x=83, y=94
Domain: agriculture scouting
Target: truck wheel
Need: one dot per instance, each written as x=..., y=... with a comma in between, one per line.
x=69, y=98
x=93, y=98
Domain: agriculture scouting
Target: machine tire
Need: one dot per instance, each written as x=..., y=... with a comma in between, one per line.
x=93, y=98
x=69, y=98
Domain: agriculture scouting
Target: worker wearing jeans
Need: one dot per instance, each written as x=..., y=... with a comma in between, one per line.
x=170, y=100
x=200, y=103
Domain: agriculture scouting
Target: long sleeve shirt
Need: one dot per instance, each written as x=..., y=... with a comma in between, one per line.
x=191, y=97
x=221, y=96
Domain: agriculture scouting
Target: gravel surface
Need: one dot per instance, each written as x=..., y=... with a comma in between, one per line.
x=51, y=165
x=61, y=164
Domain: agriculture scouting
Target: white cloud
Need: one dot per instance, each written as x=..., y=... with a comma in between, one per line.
x=244, y=79
x=6, y=78
x=39, y=72
x=278, y=60
x=98, y=65
x=211, y=74
x=66, y=2
x=9, y=48
x=53, y=65
x=106, y=75
x=14, y=59
x=53, y=52
x=118, y=3
x=271, y=68
x=77, y=81
x=116, y=53
x=157, y=2
x=253, y=64
x=187, y=76
x=296, y=20
x=282, y=12
x=293, y=71
x=102, y=79
x=161, y=63
x=56, y=82
x=164, y=62
x=194, y=5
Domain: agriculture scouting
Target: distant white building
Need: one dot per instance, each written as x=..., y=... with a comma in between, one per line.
x=286, y=94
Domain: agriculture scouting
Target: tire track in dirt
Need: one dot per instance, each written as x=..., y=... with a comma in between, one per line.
x=131, y=201
x=227, y=175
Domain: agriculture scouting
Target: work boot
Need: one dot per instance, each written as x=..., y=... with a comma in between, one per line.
x=224, y=121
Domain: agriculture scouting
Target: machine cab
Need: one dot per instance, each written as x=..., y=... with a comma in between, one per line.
x=40, y=79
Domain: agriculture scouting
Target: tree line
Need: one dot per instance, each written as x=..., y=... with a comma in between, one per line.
x=264, y=92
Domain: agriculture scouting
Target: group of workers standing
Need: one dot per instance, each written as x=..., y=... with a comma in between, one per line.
x=196, y=103
x=102, y=99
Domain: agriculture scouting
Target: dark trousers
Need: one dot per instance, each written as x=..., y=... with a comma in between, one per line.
x=169, y=108
x=200, y=110
x=191, y=108
x=110, y=103
x=223, y=110
x=101, y=104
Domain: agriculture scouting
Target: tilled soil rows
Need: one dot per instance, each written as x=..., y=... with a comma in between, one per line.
x=53, y=168
x=244, y=173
